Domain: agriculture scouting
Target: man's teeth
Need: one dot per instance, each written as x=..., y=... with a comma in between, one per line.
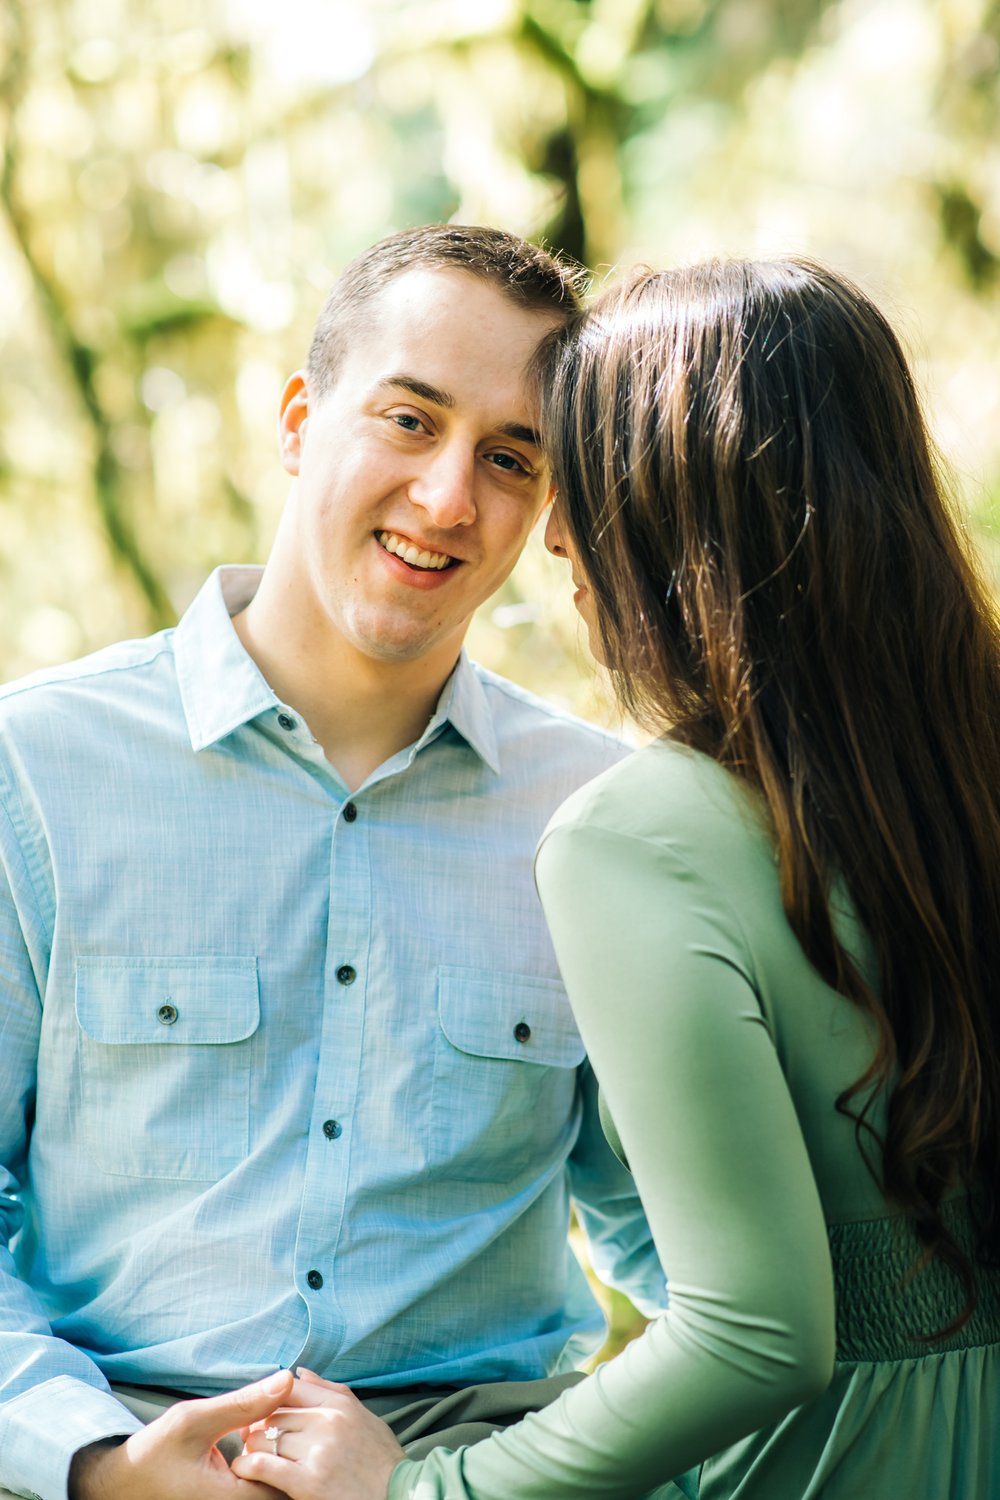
x=406, y=550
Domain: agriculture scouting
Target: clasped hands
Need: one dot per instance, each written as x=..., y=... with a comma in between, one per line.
x=330, y=1448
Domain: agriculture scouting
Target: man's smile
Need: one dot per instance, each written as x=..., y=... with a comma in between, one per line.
x=415, y=557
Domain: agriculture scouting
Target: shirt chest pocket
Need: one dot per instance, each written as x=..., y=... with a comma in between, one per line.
x=504, y=1096
x=165, y=1061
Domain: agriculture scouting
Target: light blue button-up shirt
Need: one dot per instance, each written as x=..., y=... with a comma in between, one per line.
x=288, y=1073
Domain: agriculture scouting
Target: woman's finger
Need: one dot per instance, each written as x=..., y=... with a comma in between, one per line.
x=310, y=1389
x=309, y=1377
x=264, y=1468
x=283, y=1416
x=281, y=1440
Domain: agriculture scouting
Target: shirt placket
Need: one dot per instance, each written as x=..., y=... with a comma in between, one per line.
x=334, y=1108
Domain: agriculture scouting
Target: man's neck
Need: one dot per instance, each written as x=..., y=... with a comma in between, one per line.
x=360, y=709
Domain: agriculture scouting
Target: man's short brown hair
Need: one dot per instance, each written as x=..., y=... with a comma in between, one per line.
x=531, y=277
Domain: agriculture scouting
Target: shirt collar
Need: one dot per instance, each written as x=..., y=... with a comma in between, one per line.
x=221, y=686
x=463, y=704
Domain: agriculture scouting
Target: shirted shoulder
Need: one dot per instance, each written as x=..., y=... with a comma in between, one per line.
x=691, y=836
x=525, y=720
x=515, y=708
x=38, y=688
x=680, y=800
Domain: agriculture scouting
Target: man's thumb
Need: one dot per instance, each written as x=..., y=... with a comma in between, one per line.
x=202, y=1422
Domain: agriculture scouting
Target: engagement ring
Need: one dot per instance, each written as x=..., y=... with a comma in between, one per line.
x=271, y=1435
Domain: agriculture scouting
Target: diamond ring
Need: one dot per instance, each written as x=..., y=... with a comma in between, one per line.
x=272, y=1435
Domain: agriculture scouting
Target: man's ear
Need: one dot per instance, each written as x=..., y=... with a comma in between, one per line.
x=293, y=415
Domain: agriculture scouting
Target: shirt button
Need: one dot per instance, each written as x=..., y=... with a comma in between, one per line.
x=315, y=1280
x=350, y=812
x=522, y=1031
x=286, y=721
x=346, y=975
x=167, y=1015
x=332, y=1129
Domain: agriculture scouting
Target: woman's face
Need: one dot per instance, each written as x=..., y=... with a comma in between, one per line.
x=558, y=543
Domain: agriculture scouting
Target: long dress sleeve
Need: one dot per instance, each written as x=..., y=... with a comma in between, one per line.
x=665, y=997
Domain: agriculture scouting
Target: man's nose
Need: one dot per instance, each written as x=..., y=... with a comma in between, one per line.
x=445, y=488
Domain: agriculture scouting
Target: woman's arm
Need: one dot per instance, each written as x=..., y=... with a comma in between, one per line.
x=656, y=969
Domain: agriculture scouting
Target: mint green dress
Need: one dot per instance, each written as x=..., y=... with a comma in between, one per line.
x=789, y=1365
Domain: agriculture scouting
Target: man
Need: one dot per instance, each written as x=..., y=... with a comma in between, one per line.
x=289, y=1073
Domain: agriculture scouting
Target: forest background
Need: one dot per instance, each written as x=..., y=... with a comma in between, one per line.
x=182, y=179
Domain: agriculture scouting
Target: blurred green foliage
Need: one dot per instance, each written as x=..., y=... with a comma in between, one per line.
x=182, y=179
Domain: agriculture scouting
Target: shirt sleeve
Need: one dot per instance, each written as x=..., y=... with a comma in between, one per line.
x=53, y=1399
x=664, y=995
x=611, y=1214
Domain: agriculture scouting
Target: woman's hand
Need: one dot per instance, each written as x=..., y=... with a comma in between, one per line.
x=329, y=1446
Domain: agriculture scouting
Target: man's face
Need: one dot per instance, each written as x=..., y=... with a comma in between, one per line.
x=418, y=473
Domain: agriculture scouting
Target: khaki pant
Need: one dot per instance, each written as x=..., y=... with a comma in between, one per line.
x=422, y=1417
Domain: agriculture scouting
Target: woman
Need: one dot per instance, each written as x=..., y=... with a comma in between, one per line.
x=779, y=924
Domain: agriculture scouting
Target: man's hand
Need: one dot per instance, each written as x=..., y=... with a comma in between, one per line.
x=328, y=1445
x=175, y=1457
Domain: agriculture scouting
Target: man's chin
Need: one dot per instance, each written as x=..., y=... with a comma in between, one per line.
x=402, y=641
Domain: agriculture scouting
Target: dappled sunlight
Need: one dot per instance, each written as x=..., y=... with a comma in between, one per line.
x=182, y=183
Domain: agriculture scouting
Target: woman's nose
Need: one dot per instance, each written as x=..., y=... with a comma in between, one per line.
x=553, y=533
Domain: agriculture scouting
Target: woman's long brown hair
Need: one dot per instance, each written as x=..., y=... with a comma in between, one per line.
x=745, y=475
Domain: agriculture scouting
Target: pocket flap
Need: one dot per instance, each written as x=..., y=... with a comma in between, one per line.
x=512, y=1016
x=173, y=1001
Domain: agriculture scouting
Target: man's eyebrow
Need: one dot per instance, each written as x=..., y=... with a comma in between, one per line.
x=418, y=388
x=441, y=398
x=520, y=434
x=437, y=397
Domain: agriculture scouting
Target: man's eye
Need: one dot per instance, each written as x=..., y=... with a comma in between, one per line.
x=407, y=421
x=508, y=462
